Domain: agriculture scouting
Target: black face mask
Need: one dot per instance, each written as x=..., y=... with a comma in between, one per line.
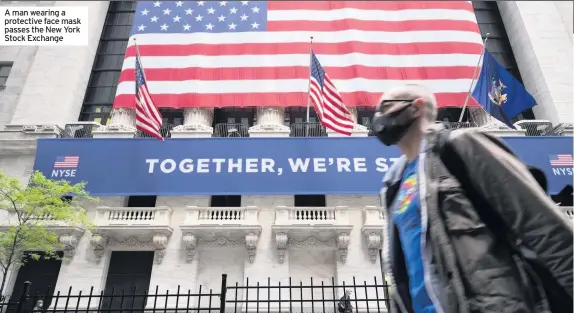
x=390, y=128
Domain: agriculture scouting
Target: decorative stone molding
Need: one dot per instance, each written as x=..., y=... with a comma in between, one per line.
x=343, y=245
x=373, y=230
x=222, y=242
x=159, y=242
x=373, y=245
x=270, y=123
x=99, y=244
x=129, y=242
x=122, y=124
x=251, y=241
x=312, y=227
x=196, y=123
x=21, y=139
x=225, y=227
x=190, y=243
x=70, y=242
x=281, y=241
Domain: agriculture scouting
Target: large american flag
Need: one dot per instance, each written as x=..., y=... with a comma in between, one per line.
x=148, y=117
x=327, y=100
x=561, y=160
x=256, y=53
x=67, y=161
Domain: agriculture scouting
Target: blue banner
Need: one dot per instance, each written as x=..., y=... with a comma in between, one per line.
x=251, y=166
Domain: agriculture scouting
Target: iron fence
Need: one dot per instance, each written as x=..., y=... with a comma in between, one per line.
x=313, y=297
x=311, y=129
x=165, y=132
x=80, y=130
x=231, y=130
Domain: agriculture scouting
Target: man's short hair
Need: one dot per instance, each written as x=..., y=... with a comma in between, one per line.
x=414, y=91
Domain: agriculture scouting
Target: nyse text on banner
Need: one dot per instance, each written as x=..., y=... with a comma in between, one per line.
x=253, y=166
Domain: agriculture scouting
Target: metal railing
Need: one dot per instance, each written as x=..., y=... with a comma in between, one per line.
x=536, y=127
x=80, y=130
x=326, y=296
x=311, y=129
x=165, y=132
x=314, y=129
x=563, y=128
x=231, y=130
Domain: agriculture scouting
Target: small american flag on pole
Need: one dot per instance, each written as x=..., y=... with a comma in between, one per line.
x=561, y=160
x=327, y=101
x=148, y=118
x=67, y=162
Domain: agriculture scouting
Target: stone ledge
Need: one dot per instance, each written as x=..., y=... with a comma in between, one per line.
x=21, y=139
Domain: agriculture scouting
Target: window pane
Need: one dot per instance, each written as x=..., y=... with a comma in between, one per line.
x=105, y=79
x=100, y=94
x=116, y=32
x=111, y=62
x=113, y=47
x=5, y=70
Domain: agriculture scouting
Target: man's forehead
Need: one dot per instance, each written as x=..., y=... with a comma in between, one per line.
x=396, y=93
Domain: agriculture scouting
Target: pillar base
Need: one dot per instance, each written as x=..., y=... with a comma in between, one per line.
x=358, y=131
x=269, y=130
x=114, y=131
x=192, y=131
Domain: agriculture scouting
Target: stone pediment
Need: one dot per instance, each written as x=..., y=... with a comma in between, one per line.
x=121, y=224
x=229, y=226
x=315, y=226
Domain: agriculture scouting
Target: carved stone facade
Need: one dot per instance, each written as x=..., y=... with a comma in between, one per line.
x=157, y=243
x=191, y=243
x=270, y=123
x=283, y=243
x=196, y=123
x=69, y=242
x=122, y=124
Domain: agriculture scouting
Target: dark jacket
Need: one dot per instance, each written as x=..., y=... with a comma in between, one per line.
x=493, y=242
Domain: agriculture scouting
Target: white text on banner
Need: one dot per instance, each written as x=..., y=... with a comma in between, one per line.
x=44, y=26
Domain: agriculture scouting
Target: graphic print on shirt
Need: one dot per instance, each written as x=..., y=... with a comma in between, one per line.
x=406, y=194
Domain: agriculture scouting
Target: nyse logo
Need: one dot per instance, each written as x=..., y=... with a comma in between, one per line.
x=63, y=173
x=562, y=171
x=561, y=164
x=65, y=167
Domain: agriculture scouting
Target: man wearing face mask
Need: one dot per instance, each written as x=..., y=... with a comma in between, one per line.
x=468, y=227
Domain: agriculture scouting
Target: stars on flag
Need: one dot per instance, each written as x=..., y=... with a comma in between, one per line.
x=200, y=16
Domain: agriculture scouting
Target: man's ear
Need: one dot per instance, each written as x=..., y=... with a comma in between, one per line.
x=418, y=104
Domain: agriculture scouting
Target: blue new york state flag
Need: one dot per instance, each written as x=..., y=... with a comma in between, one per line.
x=499, y=93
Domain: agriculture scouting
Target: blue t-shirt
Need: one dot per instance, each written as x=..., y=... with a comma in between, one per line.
x=407, y=216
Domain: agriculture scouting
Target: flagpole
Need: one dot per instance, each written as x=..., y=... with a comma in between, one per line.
x=473, y=77
x=138, y=58
x=138, y=55
x=309, y=87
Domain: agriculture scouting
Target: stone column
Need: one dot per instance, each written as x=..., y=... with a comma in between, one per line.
x=122, y=125
x=196, y=123
x=270, y=123
x=358, y=131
